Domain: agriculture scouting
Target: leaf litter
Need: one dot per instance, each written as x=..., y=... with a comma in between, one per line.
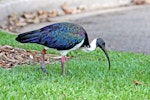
x=11, y=57
x=15, y=21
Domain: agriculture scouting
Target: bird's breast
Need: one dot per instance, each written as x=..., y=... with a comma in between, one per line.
x=77, y=46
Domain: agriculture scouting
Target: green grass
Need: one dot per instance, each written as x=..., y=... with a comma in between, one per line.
x=87, y=77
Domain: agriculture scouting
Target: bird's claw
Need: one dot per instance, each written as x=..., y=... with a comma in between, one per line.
x=44, y=70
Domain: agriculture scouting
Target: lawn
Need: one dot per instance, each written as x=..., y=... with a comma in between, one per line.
x=87, y=77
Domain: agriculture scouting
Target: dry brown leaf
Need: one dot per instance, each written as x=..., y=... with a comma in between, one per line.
x=137, y=82
x=2, y=64
x=3, y=27
x=66, y=9
x=40, y=12
x=13, y=16
x=10, y=28
x=54, y=13
x=36, y=20
x=21, y=24
x=16, y=22
x=12, y=19
x=28, y=15
x=139, y=2
x=21, y=19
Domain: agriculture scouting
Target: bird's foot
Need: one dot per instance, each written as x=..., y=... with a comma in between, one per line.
x=44, y=71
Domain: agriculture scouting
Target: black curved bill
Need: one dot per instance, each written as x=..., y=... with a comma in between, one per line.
x=104, y=50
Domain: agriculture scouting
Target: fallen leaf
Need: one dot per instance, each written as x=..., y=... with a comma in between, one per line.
x=21, y=24
x=54, y=13
x=40, y=12
x=66, y=9
x=137, y=82
x=139, y=2
x=28, y=15
x=3, y=27
x=12, y=19
x=2, y=64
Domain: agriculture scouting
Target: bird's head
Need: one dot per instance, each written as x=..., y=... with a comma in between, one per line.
x=101, y=44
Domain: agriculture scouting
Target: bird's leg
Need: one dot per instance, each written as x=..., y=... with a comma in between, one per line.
x=63, y=60
x=43, y=61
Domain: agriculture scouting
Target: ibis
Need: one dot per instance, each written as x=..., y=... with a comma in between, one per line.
x=64, y=37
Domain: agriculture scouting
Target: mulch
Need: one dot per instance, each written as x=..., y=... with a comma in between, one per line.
x=11, y=57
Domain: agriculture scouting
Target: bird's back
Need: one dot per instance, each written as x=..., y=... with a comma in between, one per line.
x=60, y=36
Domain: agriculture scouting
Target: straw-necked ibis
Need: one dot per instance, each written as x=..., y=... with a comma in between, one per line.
x=64, y=37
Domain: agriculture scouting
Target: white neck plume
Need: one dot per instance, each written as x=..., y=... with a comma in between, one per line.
x=91, y=48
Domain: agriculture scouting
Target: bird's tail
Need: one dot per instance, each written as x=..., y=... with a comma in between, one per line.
x=29, y=37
